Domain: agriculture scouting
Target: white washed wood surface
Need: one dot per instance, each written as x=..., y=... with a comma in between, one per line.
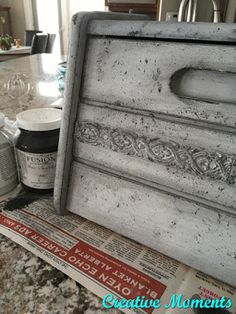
x=147, y=146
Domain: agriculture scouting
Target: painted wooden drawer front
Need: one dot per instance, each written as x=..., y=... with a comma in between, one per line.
x=191, y=233
x=148, y=140
x=187, y=80
x=196, y=163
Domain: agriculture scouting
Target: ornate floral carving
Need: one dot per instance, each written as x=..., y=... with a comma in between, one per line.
x=195, y=160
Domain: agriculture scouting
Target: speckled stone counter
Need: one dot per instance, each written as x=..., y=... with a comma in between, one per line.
x=30, y=285
x=27, y=83
x=27, y=283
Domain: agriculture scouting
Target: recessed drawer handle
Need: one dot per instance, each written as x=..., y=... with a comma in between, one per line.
x=204, y=85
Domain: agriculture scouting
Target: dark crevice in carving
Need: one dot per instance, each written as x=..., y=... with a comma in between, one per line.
x=195, y=160
x=159, y=115
x=157, y=37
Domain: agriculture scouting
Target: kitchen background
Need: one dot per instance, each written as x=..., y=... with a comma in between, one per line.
x=54, y=16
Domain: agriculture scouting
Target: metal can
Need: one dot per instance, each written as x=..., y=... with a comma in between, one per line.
x=8, y=170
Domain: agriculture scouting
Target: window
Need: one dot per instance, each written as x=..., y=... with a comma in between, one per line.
x=47, y=16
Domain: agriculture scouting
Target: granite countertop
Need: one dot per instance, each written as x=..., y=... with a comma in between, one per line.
x=28, y=82
x=30, y=285
x=27, y=283
x=14, y=50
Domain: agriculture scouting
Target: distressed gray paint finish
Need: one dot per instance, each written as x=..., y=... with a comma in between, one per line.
x=221, y=32
x=146, y=148
x=200, y=173
x=146, y=79
x=75, y=61
x=185, y=230
x=119, y=156
x=192, y=159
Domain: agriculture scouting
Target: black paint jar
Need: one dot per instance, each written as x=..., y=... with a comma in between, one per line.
x=36, y=148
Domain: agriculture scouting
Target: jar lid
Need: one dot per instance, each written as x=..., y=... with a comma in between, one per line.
x=2, y=119
x=40, y=119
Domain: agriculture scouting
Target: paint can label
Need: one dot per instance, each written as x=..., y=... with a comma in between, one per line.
x=37, y=170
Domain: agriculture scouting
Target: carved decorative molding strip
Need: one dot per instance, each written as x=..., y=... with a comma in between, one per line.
x=194, y=160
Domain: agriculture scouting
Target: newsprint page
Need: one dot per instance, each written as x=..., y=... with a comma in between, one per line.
x=111, y=266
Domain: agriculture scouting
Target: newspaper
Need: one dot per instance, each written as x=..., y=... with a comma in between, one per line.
x=107, y=263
